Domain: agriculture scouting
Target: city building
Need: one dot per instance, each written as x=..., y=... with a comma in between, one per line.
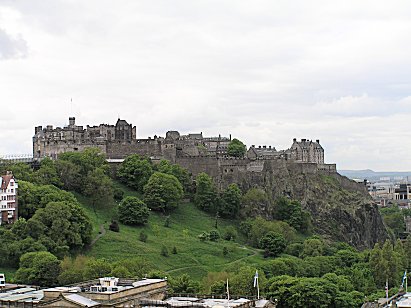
x=8, y=199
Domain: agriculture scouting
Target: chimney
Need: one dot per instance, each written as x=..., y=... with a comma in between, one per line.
x=318, y=141
x=259, y=146
x=253, y=146
x=295, y=140
x=264, y=147
x=269, y=147
x=303, y=140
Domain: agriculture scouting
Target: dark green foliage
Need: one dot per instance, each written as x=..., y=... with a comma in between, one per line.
x=65, y=224
x=291, y=212
x=118, y=194
x=98, y=187
x=258, y=227
x=273, y=244
x=394, y=219
x=114, y=226
x=230, y=233
x=225, y=251
x=47, y=174
x=236, y=148
x=214, y=235
x=38, y=268
x=312, y=247
x=206, y=193
x=163, y=192
x=143, y=236
x=183, y=285
x=230, y=201
x=135, y=171
x=96, y=268
x=21, y=171
x=80, y=171
x=294, y=249
x=32, y=197
x=174, y=251
x=179, y=172
x=164, y=251
x=133, y=211
x=242, y=281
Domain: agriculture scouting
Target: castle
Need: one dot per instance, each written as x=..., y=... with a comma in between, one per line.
x=193, y=151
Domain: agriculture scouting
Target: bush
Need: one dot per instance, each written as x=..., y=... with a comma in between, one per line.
x=118, y=194
x=214, y=235
x=133, y=211
x=174, y=252
x=230, y=233
x=114, y=226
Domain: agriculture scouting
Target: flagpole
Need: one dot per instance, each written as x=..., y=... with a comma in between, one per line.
x=258, y=290
x=228, y=296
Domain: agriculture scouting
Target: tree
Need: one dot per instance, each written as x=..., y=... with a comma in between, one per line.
x=206, y=193
x=65, y=224
x=312, y=247
x=47, y=173
x=98, y=186
x=183, y=284
x=70, y=175
x=162, y=192
x=135, y=171
x=273, y=244
x=214, y=235
x=133, y=211
x=242, y=281
x=230, y=201
x=164, y=251
x=38, y=268
x=96, y=268
x=236, y=148
x=179, y=172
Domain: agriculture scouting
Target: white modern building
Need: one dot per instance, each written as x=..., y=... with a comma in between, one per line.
x=8, y=199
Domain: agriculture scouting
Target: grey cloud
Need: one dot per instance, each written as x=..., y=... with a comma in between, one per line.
x=12, y=47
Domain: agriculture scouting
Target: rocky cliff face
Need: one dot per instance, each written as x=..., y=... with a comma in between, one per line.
x=341, y=209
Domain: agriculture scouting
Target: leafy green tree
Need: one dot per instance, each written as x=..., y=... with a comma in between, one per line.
x=230, y=233
x=162, y=192
x=214, y=235
x=273, y=244
x=230, y=201
x=99, y=187
x=312, y=247
x=242, y=281
x=206, y=193
x=260, y=227
x=96, y=268
x=179, y=172
x=47, y=173
x=21, y=171
x=70, y=175
x=137, y=266
x=38, y=268
x=133, y=211
x=33, y=197
x=312, y=292
x=135, y=171
x=66, y=224
x=236, y=148
x=183, y=284
x=120, y=271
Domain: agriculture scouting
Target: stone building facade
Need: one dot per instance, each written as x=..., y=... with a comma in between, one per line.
x=194, y=151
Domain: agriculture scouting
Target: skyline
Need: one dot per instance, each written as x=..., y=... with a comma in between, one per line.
x=267, y=73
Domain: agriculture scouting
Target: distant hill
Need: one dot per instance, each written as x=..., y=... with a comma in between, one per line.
x=373, y=175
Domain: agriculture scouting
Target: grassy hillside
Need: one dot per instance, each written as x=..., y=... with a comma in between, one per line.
x=193, y=256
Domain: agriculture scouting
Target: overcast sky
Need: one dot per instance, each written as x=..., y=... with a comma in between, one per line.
x=264, y=71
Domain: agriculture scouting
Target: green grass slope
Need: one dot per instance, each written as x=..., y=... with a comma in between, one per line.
x=193, y=257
